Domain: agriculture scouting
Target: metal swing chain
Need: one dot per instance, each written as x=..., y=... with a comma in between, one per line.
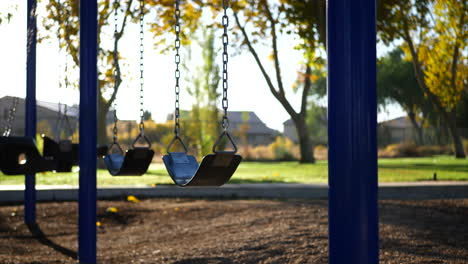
x=225, y=102
x=11, y=117
x=225, y=22
x=142, y=83
x=115, y=130
x=59, y=112
x=177, y=71
x=59, y=119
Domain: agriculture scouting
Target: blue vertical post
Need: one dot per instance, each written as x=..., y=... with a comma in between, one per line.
x=353, y=214
x=88, y=132
x=30, y=120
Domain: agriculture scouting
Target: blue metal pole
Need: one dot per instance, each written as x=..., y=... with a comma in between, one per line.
x=88, y=131
x=30, y=120
x=353, y=212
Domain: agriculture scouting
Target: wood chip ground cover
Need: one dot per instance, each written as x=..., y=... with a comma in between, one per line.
x=183, y=231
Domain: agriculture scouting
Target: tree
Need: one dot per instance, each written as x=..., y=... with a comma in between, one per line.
x=63, y=17
x=434, y=34
x=302, y=18
x=317, y=122
x=5, y=17
x=147, y=116
x=7, y=14
x=396, y=83
x=203, y=81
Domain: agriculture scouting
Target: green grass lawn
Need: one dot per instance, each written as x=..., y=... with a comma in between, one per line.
x=390, y=170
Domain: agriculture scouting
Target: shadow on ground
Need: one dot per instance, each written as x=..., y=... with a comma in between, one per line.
x=43, y=239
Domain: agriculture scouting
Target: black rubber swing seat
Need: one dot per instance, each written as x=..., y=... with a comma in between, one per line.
x=134, y=162
x=64, y=153
x=214, y=170
x=19, y=155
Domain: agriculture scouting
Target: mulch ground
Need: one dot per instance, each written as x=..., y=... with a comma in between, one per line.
x=182, y=231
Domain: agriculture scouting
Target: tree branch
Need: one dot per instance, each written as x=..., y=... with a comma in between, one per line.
x=65, y=21
x=456, y=54
x=279, y=96
x=306, y=89
x=118, y=76
x=420, y=75
x=275, y=47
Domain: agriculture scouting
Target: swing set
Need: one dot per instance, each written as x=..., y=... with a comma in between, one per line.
x=19, y=155
x=352, y=125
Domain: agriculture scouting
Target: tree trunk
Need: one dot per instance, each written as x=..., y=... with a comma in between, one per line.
x=446, y=117
x=305, y=142
x=419, y=132
x=457, y=142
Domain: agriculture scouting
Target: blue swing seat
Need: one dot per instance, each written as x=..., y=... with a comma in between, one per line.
x=135, y=162
x=214, y=170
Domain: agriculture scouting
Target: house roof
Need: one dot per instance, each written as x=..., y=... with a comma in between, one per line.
x=72, y=111
x=288, y=122
x=399, y=122
x=238, y=118
x=323, y=117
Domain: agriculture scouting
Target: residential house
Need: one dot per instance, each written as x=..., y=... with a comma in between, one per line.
x=47, y=115
x=396, y=130
x=289, y=130
x=256, y=131
x=318, y=129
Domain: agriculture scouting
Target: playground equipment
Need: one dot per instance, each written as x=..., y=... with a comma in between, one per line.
x=353, y=217
x=136, y=160
x=62, y=150
x=19, y=155
x=215, y=169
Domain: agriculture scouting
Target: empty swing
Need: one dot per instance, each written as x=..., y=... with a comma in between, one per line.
x=136, y=160
x=215, y=169
x=63, y=152
x=19, y=155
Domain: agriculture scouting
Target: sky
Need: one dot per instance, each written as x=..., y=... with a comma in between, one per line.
x=248, y=90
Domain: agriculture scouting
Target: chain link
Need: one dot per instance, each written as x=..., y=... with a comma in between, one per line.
x=115, y=129
x=177, y=71
x=225, y=102
x=11, y=118
x=59, y=120
x=142, y=82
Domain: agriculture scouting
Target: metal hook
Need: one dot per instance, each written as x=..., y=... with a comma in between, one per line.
x=141, y=135
x=176, y=137
x=225, y=133
x=109, y=150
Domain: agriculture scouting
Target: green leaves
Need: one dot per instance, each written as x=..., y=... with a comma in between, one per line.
x=444, y=54
x=435, y=35
x=396, y=82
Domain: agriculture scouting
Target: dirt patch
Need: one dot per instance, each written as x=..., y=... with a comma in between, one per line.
x=182, y=231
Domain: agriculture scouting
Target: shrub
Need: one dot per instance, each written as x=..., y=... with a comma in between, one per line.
x=321, y=152
x=282, y=149
x=406, y=149
x=465, y=144
x=409, y=149
x=427, y=151
x=258, y=153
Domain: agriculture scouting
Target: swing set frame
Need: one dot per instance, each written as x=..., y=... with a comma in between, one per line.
x=352, y=123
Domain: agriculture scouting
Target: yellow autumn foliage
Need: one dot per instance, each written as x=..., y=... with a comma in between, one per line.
x=443, y=55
